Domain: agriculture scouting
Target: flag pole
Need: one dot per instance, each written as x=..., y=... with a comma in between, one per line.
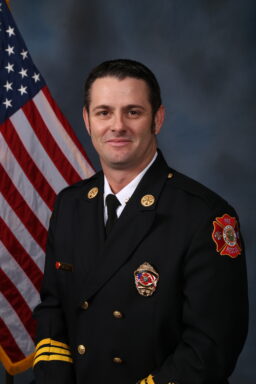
x=8, y=378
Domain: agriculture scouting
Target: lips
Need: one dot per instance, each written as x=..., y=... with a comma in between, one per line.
x=118, y=142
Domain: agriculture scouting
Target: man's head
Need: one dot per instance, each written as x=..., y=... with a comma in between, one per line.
x=120, y=69
x=123, y=114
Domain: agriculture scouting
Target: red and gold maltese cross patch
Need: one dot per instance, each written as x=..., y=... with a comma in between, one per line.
x=226, y=236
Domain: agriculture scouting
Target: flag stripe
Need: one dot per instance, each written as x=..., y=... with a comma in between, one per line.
x=20, y=255
x=16, y=326
x=22, y=183
x=23, y=211
x=21, y=233
x=19, y=278
x=17, y=302
x=81, y=154
x=8, y=342
x=34, y=148
x=34, y=175
x=50, y=145
x=66, y=143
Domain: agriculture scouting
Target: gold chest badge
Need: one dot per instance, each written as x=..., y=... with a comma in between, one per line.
x=146, y=279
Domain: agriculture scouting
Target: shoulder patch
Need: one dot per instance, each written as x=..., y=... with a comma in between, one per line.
x=226, y=236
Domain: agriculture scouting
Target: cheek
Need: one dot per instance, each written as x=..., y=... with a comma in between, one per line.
x=146, y=133
x=96, y=131
x=95, y=140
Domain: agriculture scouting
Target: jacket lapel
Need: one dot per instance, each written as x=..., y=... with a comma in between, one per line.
x=131, y=228
x=90, y=230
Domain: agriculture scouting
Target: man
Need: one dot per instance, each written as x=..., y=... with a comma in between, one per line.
x=149, y=288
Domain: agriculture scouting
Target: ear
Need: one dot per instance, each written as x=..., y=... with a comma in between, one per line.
x=86, y=120
x=159, y=119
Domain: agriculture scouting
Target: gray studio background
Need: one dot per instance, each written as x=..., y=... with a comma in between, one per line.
x=204, y=55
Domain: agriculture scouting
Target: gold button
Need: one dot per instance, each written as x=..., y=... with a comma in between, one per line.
x=147, y=200
x=170, y=175
x=81, y=349
x=117, y=314
x=85, y=305
x=92, y=193
x=117, y=360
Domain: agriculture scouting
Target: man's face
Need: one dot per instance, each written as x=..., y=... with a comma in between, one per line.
x=120, y=123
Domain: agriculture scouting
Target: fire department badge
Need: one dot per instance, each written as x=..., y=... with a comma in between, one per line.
x=146, y=279
x=226, y=236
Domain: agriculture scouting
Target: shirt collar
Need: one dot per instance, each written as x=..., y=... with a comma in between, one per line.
x=125, y=193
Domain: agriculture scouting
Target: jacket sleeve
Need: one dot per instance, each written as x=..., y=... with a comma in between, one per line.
x=215, y=309
x=53, y=361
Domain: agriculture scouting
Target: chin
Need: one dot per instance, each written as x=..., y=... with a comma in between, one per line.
x=120, y=158
x=119, y=163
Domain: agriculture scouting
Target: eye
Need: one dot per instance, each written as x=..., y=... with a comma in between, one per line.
x=103, y=113
x=134, y=113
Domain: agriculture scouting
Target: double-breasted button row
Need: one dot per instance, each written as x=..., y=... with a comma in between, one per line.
x=82, y=349
x=117, y=314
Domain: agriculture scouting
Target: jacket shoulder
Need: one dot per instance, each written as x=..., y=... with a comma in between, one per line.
x=74, y=190
x=197, y=190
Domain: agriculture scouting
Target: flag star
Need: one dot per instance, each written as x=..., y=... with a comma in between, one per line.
x=9, y=67
x=10, y=31
x=8, y=86
x=7, y=103
x=23, y=73
x=36, y=77
x=10, y=50
x=24, y=54
x=22, y=90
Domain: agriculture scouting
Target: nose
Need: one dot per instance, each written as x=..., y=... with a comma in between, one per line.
x=118, y=123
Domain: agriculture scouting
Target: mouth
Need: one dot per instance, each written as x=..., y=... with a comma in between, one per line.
x=120, y=142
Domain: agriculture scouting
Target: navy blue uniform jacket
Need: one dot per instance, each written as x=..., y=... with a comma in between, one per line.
x=190, y=331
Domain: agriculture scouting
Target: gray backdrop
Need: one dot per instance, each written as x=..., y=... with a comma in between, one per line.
x=203, y=53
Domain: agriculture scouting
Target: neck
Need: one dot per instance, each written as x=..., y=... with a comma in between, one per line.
x=119, y=178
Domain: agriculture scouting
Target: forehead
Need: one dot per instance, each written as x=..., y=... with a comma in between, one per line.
x=107, y=90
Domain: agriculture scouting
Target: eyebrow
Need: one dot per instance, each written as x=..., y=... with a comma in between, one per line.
x=129, y=106
x=103, y=106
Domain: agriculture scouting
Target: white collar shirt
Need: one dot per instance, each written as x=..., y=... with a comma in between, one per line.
x=125, y=193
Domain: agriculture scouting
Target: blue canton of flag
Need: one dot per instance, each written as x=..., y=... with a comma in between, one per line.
x=20, y=80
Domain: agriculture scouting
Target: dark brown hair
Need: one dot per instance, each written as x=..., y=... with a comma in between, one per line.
x=122, y=68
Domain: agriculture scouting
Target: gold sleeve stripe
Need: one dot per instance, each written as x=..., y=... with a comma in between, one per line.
x=52, y=358
x=150, y=380
x=147, y=380
x=51, y=342
x=52, y=350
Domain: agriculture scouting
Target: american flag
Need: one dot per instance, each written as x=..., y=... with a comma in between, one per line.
x=40, y=155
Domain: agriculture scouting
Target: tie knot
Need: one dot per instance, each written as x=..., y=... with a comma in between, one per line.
x=112, y=202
